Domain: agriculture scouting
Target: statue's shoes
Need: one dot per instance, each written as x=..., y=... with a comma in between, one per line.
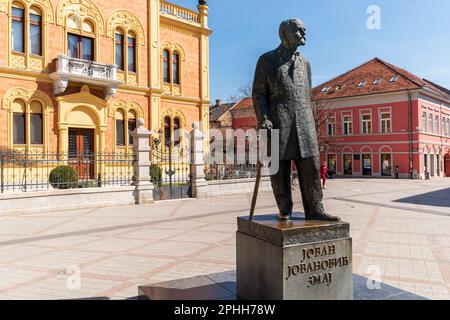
x=324, y=217
x=284, y=218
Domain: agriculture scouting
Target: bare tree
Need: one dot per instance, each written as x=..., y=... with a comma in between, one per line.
x=323, y=111
x=242, y=92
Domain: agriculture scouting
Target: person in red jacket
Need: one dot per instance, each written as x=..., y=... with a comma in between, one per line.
x=324, y=173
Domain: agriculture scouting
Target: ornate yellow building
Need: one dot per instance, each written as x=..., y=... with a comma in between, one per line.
x=76, y=74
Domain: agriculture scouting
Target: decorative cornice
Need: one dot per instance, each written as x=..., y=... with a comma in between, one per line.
x=172, y=47
x=126, y=106
x=84, y=96
x=181, y=100
x=182, y=28
x=22, y=74
x=142, y=91
x=27, y=95
x=127, y=21
x=173, y=114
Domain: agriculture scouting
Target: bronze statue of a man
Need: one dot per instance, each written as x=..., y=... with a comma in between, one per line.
x=282, y=100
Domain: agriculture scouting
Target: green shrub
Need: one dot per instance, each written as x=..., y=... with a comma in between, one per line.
x=209, y=176
x=156, y=174
x=63, y=177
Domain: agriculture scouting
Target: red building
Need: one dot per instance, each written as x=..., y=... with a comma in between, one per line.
x=378, y=117
x=238, y=115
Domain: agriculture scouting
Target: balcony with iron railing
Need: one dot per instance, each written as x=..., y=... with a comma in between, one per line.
x=175, y=11
x=85, y=72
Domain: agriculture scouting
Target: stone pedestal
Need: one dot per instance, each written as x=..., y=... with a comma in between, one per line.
x=296, y=260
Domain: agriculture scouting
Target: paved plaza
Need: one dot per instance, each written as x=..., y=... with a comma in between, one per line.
x=400, y=229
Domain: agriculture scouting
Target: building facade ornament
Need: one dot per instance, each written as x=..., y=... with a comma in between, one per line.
x=82, y=9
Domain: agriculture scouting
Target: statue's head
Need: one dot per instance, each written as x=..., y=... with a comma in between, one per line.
x=293, y=33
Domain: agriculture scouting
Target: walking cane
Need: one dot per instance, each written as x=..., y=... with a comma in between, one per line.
x=256, y=191
x=257, y=183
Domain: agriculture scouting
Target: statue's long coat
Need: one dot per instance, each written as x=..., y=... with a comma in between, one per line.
x=282, y=94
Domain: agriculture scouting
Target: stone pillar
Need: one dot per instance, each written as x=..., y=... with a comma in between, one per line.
x=154, y=64
x=203, y=10
x=142, y=179
x=63, y=140
x=199, y=183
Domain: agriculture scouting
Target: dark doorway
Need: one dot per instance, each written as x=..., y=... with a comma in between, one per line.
x=447, y=165
x=386, y=165
x=332, y=163
x=348, y=164
x=367, y=164
x=81, y=152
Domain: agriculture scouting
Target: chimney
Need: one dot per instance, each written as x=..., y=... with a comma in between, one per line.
x=218, y=103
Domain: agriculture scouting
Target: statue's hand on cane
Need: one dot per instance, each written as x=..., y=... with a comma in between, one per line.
x=266, y=125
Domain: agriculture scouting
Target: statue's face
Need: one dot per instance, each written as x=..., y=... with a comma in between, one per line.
x=295, y=34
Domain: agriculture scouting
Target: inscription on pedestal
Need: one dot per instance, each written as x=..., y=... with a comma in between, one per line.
x=299, y=260
x=317, y=265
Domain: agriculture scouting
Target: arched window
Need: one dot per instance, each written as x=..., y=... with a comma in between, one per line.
x=27, y=123
x=119, y=44
x=166, y=67
x=167, y=131
x=36, y=123
x=18, y=27
x=80, y=39
x=131, y=126
x=19, y=122
x=120, y=128
x=176, y=68
x=35, y=31
x=176, y=131
x=125, y=125
x=131, y=52
x=88, y=26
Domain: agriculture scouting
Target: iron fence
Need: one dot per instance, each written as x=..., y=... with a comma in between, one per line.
x=26, y=171
x=170, y=172
x=218, y=172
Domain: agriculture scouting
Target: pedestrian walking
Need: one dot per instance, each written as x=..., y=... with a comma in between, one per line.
x=324, y=173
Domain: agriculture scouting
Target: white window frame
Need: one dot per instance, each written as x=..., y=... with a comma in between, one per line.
x=366, y=124
x=424, y=120
x=437, y=124
x=431, y=123
x=333, y=126
x=444, y=126
x=348, y=123
x=383, y=120
x=448, y=127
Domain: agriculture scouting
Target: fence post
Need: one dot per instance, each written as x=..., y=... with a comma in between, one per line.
x=142, y=180
x=199, y=183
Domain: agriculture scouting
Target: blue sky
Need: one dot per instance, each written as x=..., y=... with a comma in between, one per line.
x=415, y=35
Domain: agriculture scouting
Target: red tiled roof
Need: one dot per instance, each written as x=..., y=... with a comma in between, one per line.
x=346, y=85
x=244, y=103
x=215, y=112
